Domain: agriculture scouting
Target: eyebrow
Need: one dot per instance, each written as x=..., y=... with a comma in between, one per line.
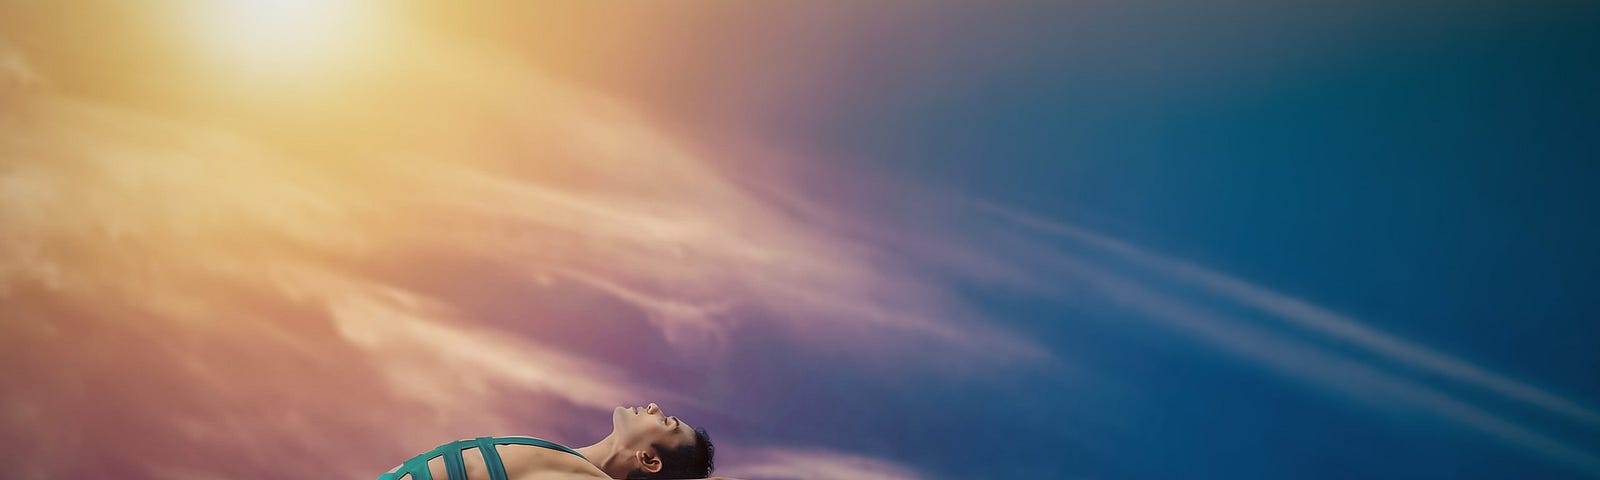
x=676, y=424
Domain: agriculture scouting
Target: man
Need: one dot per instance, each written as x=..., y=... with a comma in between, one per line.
x=644, y=443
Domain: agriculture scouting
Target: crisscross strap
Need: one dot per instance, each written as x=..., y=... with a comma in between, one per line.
x=452, y=460
x=419, y=470
x=417, y=466
x=491, y=458
x=455, y=466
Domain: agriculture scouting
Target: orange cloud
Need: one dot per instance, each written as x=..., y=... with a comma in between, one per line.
x=236, y=280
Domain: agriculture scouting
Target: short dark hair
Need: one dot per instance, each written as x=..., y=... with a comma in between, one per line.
x=688, y=461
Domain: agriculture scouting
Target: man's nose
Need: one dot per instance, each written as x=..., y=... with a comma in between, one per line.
x=652, y=409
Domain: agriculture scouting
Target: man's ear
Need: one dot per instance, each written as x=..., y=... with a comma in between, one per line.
x=648, y=462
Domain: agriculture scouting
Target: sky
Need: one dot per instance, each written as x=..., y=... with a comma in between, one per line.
x=853, y=240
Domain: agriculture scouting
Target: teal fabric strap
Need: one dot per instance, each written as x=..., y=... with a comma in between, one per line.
x=491, y=458
x=455, y=466
x=419, y=467
x=452, y=460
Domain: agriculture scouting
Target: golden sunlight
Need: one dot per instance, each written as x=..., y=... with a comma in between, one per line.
x=275, y=35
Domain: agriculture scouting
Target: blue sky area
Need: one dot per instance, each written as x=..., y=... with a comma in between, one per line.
x=1427, y=169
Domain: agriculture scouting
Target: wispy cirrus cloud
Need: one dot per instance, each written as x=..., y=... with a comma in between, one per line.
x=16, y=72
x=233, y=275
x=1084, y=258
x=1303, y=314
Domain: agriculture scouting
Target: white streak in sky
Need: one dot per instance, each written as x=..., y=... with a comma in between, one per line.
x=1347, y=376
x=1316, y=318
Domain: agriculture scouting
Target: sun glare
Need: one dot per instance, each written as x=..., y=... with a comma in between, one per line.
x=280, y=34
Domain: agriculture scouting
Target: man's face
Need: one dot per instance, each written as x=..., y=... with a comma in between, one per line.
x=640, y=427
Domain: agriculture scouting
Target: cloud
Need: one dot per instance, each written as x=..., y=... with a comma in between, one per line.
x=1351, y=376
x=451, y=365
x=173, y=286
x=15, y=70
x=1345, y=376
x=1315, y=318
x=197, y=291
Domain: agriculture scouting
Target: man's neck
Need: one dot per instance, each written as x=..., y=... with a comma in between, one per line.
x=603, y=455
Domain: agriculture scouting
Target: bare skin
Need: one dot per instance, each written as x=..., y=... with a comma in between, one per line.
x=627, y=448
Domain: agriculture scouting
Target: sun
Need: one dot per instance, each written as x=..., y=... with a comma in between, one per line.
x=270, y=35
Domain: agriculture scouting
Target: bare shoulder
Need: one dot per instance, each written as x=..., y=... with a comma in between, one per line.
x=523, y=462
x=559, y=475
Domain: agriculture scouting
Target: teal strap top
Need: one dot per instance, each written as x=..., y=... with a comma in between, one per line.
x=417, y=466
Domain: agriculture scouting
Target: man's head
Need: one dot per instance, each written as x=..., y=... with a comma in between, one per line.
x=658, y=445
